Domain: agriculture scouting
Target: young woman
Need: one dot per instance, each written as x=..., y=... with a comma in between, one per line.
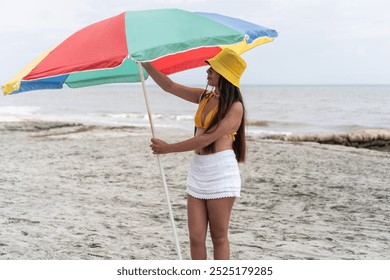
x=213, y=180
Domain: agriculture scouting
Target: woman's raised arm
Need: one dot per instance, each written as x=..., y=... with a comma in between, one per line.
x=188, y=93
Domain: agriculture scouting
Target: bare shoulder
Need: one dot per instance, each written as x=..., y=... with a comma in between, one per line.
x=235, y=112
x=236, y=108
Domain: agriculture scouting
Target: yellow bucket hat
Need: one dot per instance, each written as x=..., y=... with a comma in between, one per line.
x=229, y=65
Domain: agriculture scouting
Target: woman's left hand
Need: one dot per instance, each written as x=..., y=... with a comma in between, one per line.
x=159, y=146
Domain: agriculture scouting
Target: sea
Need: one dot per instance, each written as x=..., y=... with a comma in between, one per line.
x=270, y=110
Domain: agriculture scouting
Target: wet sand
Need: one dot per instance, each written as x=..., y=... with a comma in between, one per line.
x=71, y=191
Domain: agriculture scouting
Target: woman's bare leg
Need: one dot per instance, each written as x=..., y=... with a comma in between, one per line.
x=197, y=226
x=218, y=211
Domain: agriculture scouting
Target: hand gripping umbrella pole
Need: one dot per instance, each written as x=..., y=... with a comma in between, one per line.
x=160, y=164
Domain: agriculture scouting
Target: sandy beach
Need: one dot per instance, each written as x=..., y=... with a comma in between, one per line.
x=72, y=191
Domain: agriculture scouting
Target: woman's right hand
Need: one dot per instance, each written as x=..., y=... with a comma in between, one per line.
x=159, y=146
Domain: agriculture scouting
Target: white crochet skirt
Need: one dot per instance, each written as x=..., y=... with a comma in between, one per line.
x=214, y=176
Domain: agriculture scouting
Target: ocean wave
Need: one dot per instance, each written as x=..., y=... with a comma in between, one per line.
x=17, y=113
x=143, y=116
x=185, y=121
x=18, y=110
x=257, y=123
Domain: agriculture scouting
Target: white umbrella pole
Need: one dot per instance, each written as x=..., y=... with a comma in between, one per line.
x=160, y=165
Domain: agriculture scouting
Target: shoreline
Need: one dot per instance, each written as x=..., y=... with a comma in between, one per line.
x=73, y=191
x=373, y=139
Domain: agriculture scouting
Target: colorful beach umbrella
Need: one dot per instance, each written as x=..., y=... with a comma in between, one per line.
x=108, y=51
x=112, y=50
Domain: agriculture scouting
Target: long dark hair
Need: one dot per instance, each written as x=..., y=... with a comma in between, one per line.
x=229, y=94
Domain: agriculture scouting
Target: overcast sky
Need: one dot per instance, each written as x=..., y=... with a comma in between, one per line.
x=320, y=42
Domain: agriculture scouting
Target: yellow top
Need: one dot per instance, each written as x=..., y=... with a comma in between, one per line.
x=199, y=112
x=209, y=116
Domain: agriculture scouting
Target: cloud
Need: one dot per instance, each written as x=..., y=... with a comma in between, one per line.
x=361, y=51
x=178, y=2
x=363, y=19
x=24, y=15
